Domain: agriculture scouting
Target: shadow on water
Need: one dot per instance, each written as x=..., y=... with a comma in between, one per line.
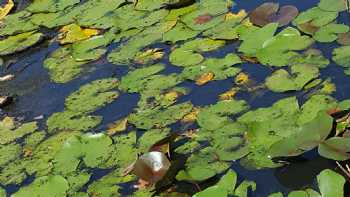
x=35, y=95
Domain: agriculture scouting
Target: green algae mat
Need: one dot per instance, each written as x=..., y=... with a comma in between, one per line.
x=104, y=98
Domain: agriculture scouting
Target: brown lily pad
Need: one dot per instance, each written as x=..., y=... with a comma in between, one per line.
x=271, y=13
x=344, y=38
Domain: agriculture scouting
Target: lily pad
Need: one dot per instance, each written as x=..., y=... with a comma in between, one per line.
x=211, y=12
x=62, y=66
x=53, y=185
x=221, y=68
x=50, y=6
x=272, y=13
x=307, y=137
x=179, y=32
x=330, y=183
x=160, y=118
x=254, y=40
x=75, y=117
x=8, y=135
x=336, y=148
x=265, y=127
x=282, y=81
x=342, y=58
x=329, y=32
x=189, y=53
x=314, y=18
x=72, y=33
x=227, y=30
x=19, y=42
x=17, y=23
x=78, y=148
x=201, y=166
x=92, y=96
x=216, y=116
x=278, y=50
x=333, y=5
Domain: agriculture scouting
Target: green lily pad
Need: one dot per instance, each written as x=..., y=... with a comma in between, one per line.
x=8, y=135
x=94, y=12
x=311, y=57
x=53, y=185
x=329, y=33
x=134, y=80
x=336, y=148
x=17, y=23
x=150, y=137
x=201, y=166
x=75, y=117
x=50, y=6
x=9, y=153
x=222, y=68
x=307, y=137
x=227, y=142
x=125, y=151
x=2, y=192
x=315, y=104
x=316, y=17
x=213, y=13
x=76, y=181
x=227, y=186
x=278, y=50
x=179, y=33
x=150, y=5
x=216, y=116
x=254, y=40
x=125, y=53
x=282, y=81
x=92, y=96
x=32, y=140
x=71, y=121
x=78, y=148
x=62, y=66
x=189, y=53
x=331, y=183
x=92, y=48
x=342, y=58
x=19, y=42
x=266, y=126
x=156, y=118
x=332, y=5
x=108, y=185
x=175, y=14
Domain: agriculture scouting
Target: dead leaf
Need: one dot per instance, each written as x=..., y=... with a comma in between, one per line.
x=202, y=19
x=27, y=152
x=191, y=117
x=150, y=54
x=232, y=16
x=72, y=33
x=242, y=79
x=118, y=126
x=204, y=78
x=229, y=94
x=6, y=9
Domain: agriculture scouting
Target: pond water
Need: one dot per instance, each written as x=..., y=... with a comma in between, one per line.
x=37, y=96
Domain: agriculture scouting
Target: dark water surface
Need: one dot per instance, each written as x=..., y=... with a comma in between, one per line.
x=35, y=95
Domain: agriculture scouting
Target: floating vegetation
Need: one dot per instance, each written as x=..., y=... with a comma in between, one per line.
x=157, y=94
